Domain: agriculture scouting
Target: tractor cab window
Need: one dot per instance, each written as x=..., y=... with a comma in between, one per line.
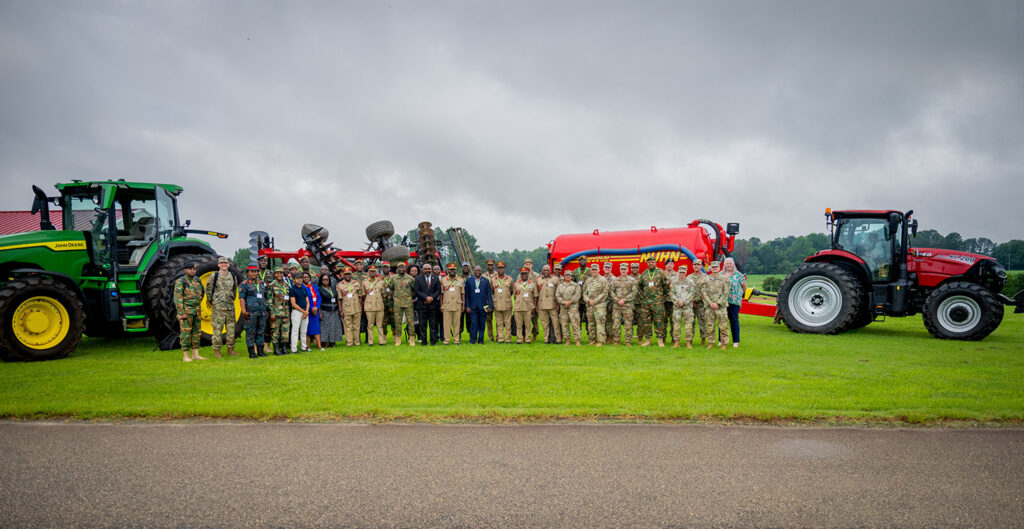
x=137, y=225
x=83, y=213
x=871, y=240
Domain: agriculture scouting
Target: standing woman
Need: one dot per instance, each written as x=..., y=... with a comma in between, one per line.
x=330, y=317
x=313, y=328
x=737, y=287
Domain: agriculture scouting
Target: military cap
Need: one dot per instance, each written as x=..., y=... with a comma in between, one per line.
x=261, y=257
x=293, y=266
x=358, y=261
x=558, y=266
x=223, y=259
x=624, y=265
x=501, y=264
x=652, y=258
x=400, y=265
x=607, y=264
x=595, y=266
x=489, y=261
x=713, y=264
x=451, y=266
x=697, y=261
x=465, y=263
x=348, y=270
x=304, y=258
x=582, y=258
x=528, y=260
x=279, y=269
x=386, y=264
x=372, y=268
x=252, y=267
x=188, y=264
x=567, y=273
x=523, y=270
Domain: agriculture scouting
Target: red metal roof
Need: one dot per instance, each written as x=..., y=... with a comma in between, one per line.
x=22, y=221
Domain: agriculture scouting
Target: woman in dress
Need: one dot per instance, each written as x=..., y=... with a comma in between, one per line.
x=737, y=287
x=313, y=329
x=330, y=317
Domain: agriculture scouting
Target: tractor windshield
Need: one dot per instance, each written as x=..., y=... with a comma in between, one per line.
x=871, y=241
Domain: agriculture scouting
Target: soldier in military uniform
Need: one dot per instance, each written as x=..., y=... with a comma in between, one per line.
x=623, y=290
x=595, y=295
x=489, y=274
x=389, y=301
x=220, y=299
x=373, y=305
x=280, y=309
x=264, y=275
x=634, y=272
x=453, y=301
x=188, y=295
x=525, y=291
x=304, y=266
x=534, y=276
x=360, y=276
x=610, y=277
x=653, y=288
x=546, y=305
x=350, y=293
x=670, y=276
x=682, y=308
x=716, y=299
x=501, y=294
x=401, y=291
x=251, y=296
x=699, y=308
x=568, y=295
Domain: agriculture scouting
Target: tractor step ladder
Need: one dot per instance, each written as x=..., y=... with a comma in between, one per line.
x=133, y=311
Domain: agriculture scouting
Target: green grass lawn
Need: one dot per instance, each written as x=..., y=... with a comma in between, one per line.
x=888, y=371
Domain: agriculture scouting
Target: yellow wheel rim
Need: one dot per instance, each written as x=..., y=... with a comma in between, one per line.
x=41, y=322
x=206, y=313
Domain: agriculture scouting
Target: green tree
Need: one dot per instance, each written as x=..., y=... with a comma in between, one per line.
x=241, y=258
x=1010, y=254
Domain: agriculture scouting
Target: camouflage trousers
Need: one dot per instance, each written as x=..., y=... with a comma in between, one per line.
x=191, y=331
x=549, y=319
x=652, y=312
x=722, y=325
x=622, y=315
x=684, y=316
x=595, y=323
x=280, y=327
x=570, y=321
x=255, y=328
x=389, y=319
x=669, y=326
x=404, y=315
x=524, y=326
x=701, y=311
x=534, y=326
x=223, y=321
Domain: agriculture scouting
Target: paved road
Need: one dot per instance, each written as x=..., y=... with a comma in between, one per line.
x=357, y=475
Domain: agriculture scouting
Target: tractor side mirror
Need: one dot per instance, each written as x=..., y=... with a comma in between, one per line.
x=913, y=228
x=732, y=228
x=188, y=223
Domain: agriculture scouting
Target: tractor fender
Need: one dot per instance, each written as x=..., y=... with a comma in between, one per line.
x=65, y=279
x=850, y=261
x=188, y=246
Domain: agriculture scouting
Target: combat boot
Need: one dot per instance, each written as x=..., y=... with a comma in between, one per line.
x=412, y=342
x=645, y=343
x=252, y=351
x=260, y=350
x=661, y=342
x=723, y=347
x=195, y=355
x=689, y=344
x=231, y=350
x=278, y=349
x=216, y=352
x=675, y=344
x=398, y=341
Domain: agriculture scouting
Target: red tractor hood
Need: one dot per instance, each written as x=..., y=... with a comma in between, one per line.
x=934, y=265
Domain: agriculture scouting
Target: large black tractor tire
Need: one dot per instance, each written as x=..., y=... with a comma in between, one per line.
x=961, y=310
x=864, y=317
x=381, y=228
x=395, y=254
x=159, y=297
x=820, y=298
x=40, y=319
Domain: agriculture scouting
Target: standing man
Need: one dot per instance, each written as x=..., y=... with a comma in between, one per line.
x=188, y=295
x=671, y=277
x=220, y=299
x=277, y=301
x=389, y=299
x=610, y=277
x=534, y=276
x=350, y=293
x=682, y=308
x=501, y=289
x=478, y=304
x=623, y=291
x=568, y=296
x=634, y=272
x=700, y=310
x=254, y=310
x=402, y=294
x=453, y=303
x=652, y=289
x=304, y=265
x=716, y=299
x=464, y=275
x=580, y=277
x=489, y=274
x=547, y=306
x=373, y=305
x=595, y=295
x=525, y=303
x=427, y=288
x=266, y=276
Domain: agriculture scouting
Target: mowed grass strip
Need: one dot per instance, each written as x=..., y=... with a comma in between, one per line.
x=888, y=371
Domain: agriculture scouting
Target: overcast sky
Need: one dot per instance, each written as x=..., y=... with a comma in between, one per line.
x=523, y=120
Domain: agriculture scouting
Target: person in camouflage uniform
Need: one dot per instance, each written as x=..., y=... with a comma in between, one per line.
x=568, y=296
x=634, y=272
x=670, y=276
x=489, y=274
x=359, y=275
x=595, y=295
x=373, y=305
x=623, y=290
x=699, y=308
x=453, y=302
x=653, y=288
x=280, y=309
x=350, y=294
x=580, y=276
x=389, y=300
x=609, y=275
x=221, y=288
x=547, y=306
x=252, y=297
x=534, y=276
x=682, y=307
x=525, y=291
x=401, y=290
x=501, y=295
x=716, y=298
x=188, y=296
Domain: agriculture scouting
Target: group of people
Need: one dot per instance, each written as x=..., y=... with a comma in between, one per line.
x=294, y=308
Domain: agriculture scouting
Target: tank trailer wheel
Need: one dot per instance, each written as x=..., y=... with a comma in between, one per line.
x=820, y=298
x=42, y=319
x=961, y=310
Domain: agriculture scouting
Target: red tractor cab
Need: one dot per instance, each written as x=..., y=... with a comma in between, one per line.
x=871, y=270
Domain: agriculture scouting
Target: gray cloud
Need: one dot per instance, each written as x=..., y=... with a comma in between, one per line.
x=523, y=121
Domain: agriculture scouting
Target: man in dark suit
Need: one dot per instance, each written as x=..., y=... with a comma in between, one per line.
x=478, y=304
x=428, y=290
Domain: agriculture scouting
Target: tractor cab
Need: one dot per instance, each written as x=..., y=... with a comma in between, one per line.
x=878, y=238
x=123, y=219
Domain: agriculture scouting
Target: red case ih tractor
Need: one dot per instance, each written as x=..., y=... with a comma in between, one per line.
x=871, y=271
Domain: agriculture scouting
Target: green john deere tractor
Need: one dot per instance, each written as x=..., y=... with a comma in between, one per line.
x=109, y=271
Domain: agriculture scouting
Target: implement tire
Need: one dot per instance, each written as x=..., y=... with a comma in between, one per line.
x=40, y=319
x=961, y=310
x=395, y=254
x=820, y=298
x=379, y=229
x=159, y=297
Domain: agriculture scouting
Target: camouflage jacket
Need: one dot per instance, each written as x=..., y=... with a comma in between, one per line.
x=682, y=291
x=716, y=290
x=222, y=295
x=188, y=294
x=568, y=292
x=653, y=287
x=624, y=287
x=401, y=290
x=700, y=279
x=595, y=290
x=580, y=276
x=277, y=298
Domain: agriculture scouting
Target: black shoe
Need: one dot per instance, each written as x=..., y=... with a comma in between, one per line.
x=252, y=351
x=259, y=350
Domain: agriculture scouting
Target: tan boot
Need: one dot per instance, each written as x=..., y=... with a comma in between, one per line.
x=689, y=345
x=216, y=352
x=599, y=344
x=577, y=343
x=661, y=342
x=186, y=358
x=195, y=355
x=675, y=344
x=398, y=341
x=722, y=347
x=412, y=342
x=645, y=343
x=231, y=350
